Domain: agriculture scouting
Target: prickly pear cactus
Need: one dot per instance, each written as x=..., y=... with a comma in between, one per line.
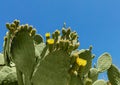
x=114, y=75
x=55, y=60
x=21, y=49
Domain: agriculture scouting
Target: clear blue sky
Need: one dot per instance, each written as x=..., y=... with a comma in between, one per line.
x=96, y=21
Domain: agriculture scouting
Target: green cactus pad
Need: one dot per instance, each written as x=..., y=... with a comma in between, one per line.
x=93, y=74
x=114, y=75
x=100, y=82
x=2, y=76
x=38, y=50
x=10, y=79
x=7, y=73
x=87, y=55
x=53, y=70
x=38, y=39
x=104, y=62
x=23, y=52
x=40, y=47
x=6, y=69
x=1, y=59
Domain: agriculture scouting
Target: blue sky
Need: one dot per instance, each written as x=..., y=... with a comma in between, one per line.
x=96, y=21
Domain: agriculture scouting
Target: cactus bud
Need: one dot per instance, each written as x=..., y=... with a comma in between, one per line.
x=66, y=44
x=90, y=48
x=73, y=57
x=30, y=28
x=17, y=22
x=57, y=33
x=71, y=34
x=63, y=31
x=74, y=37
x=61, y=44
x=70, y=48
x=13, y=25
x=76, y=45
x=33, y=32
x=68, y=30
x=53, y=35
x=26, y=26
x=22, y=27
x=8, y=26
x=5, y=38
x=47, y=35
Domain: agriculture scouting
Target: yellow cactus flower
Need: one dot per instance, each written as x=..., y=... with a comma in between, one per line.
x=47, y=34
x=50, y=41
x=58, y=32
x=81, y=62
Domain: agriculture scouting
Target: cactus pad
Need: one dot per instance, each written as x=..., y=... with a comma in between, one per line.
x=100, y=82
x=53, y=70
x=1, y=59
x=10, y=79
x=38, y=39
x=23, y=51
x=114, y=75
x=87, y=55
x=93, y=74
x=104, y=62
